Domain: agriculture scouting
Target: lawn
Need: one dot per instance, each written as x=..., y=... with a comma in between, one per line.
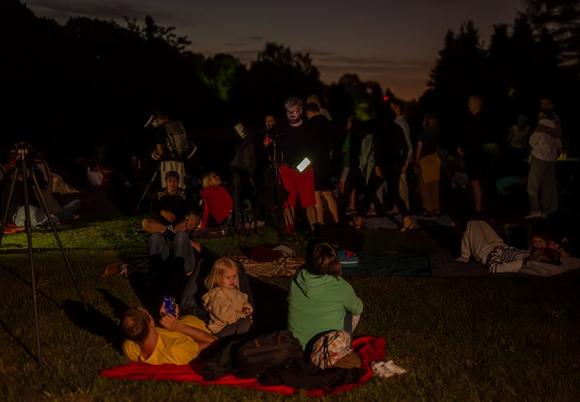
x=465, y=339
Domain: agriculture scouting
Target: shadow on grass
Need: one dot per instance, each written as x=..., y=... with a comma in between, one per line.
x=27, y=283
x=17, y=339
x=95, y=322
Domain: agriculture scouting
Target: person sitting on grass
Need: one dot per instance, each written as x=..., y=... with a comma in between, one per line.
x=229, y=307
x=218, y=205
x=319, y=300
x=170, y=212
x=483, y=243
x=179, y=341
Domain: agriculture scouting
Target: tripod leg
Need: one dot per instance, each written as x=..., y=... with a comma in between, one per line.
x=147, y=189
x=30, y=256
x=52, y=225
x=5, y=217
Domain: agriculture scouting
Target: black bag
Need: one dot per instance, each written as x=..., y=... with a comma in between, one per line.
x=279, y=349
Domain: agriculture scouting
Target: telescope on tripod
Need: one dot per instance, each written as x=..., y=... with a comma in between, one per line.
x=24, y=172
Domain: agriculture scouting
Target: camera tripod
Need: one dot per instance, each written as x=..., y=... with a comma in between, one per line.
x=25, y=170
x=274, y=196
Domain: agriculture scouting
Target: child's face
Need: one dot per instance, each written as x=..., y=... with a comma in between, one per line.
x=538, y=242
x=215, y=180
x=230, y=279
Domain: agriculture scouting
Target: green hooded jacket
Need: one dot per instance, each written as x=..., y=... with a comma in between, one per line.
x=318, y=303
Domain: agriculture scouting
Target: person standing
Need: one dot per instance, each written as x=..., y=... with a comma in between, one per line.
x=471, y=149
x=546, y=146
x=398, y=107
x=172, y=146
x=322, y=154
x=429, y=164
x=294, y=144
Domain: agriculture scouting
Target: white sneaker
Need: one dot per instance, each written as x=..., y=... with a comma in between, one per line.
x=380, y=369
x=395, y=368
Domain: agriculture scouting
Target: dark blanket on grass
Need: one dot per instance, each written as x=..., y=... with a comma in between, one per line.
x=367, y=348
x=409, y=264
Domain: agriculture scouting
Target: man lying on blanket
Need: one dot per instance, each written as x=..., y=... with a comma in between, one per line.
x=178, y=342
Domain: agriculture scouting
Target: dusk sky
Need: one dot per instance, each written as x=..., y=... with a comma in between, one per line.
x=392, y=42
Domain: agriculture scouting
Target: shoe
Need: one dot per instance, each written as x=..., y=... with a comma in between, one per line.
x=534, y=215
x=356, y=222
x=395, y=368
x=350, y=211
x=408, y=224
x=381, y=370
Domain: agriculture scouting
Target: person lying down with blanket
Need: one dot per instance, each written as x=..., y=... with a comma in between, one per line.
x=482, y=243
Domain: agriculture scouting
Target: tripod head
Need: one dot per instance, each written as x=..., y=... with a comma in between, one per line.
x=23, y=148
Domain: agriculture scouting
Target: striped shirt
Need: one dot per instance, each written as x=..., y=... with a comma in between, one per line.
x=504, y=254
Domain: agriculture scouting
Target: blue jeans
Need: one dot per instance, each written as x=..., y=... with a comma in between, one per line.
x=181, y=248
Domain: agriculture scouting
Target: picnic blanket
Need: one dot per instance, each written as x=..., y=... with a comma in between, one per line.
x=367, y=348
x=285, y=266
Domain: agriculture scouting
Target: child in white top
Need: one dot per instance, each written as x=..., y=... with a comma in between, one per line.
x=228, y=307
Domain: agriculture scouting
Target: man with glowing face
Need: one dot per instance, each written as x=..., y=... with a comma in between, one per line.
x=294, y=145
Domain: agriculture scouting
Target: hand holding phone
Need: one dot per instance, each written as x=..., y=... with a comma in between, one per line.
x=169, y=303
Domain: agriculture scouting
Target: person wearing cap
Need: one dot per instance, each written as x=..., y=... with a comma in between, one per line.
x=169, y=211
x=324, y=148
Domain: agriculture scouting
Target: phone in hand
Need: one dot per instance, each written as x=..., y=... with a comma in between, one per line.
x=170, y=305
x=303, y=165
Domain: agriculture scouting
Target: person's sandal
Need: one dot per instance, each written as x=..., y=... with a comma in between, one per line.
x=356, y=222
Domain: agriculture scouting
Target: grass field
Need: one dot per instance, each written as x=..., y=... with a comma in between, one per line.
x=461, y=339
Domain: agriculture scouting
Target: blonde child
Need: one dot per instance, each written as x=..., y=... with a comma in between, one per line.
x=218, y=205
x=228, y=307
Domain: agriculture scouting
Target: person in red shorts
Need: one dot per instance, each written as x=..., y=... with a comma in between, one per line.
x=294, y=144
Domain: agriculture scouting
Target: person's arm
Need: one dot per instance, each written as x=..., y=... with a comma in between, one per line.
x=352, y=302
x=418, y=152
x=170, y=216
x=205, y=213
x=170, y=322
x=222, y=309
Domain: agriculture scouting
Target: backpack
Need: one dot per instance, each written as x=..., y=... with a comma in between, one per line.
x=330, y=348
x=177, y=143
x=278, y=349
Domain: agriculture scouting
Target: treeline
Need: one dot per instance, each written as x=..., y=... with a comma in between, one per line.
x=90, y=82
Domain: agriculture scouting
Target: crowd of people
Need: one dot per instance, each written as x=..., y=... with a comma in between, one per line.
x=306, y=161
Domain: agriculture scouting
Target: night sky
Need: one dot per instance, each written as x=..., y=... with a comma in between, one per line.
x=392, y=42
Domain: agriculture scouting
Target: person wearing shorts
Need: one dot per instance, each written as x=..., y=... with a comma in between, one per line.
x=294, y=144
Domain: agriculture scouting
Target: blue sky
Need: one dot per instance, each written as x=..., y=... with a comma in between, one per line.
x=392, y=42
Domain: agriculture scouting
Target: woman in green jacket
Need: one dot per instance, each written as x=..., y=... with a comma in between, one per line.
x=320, y=300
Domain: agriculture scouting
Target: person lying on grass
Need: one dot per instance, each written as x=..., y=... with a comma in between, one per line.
x=179, y=341
x=483, y=243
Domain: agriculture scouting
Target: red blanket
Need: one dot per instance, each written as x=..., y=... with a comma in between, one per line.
x=368, y=348
x=10, y=228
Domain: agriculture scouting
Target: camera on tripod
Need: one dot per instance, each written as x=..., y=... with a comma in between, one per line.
x=23, y=148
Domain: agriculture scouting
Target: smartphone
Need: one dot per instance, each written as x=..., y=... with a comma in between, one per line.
x=303, y=165
x=169, y=305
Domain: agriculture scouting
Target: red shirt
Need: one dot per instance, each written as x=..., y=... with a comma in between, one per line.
x=217, y=202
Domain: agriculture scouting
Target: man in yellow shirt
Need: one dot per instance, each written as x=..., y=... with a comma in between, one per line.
x=178, y=342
